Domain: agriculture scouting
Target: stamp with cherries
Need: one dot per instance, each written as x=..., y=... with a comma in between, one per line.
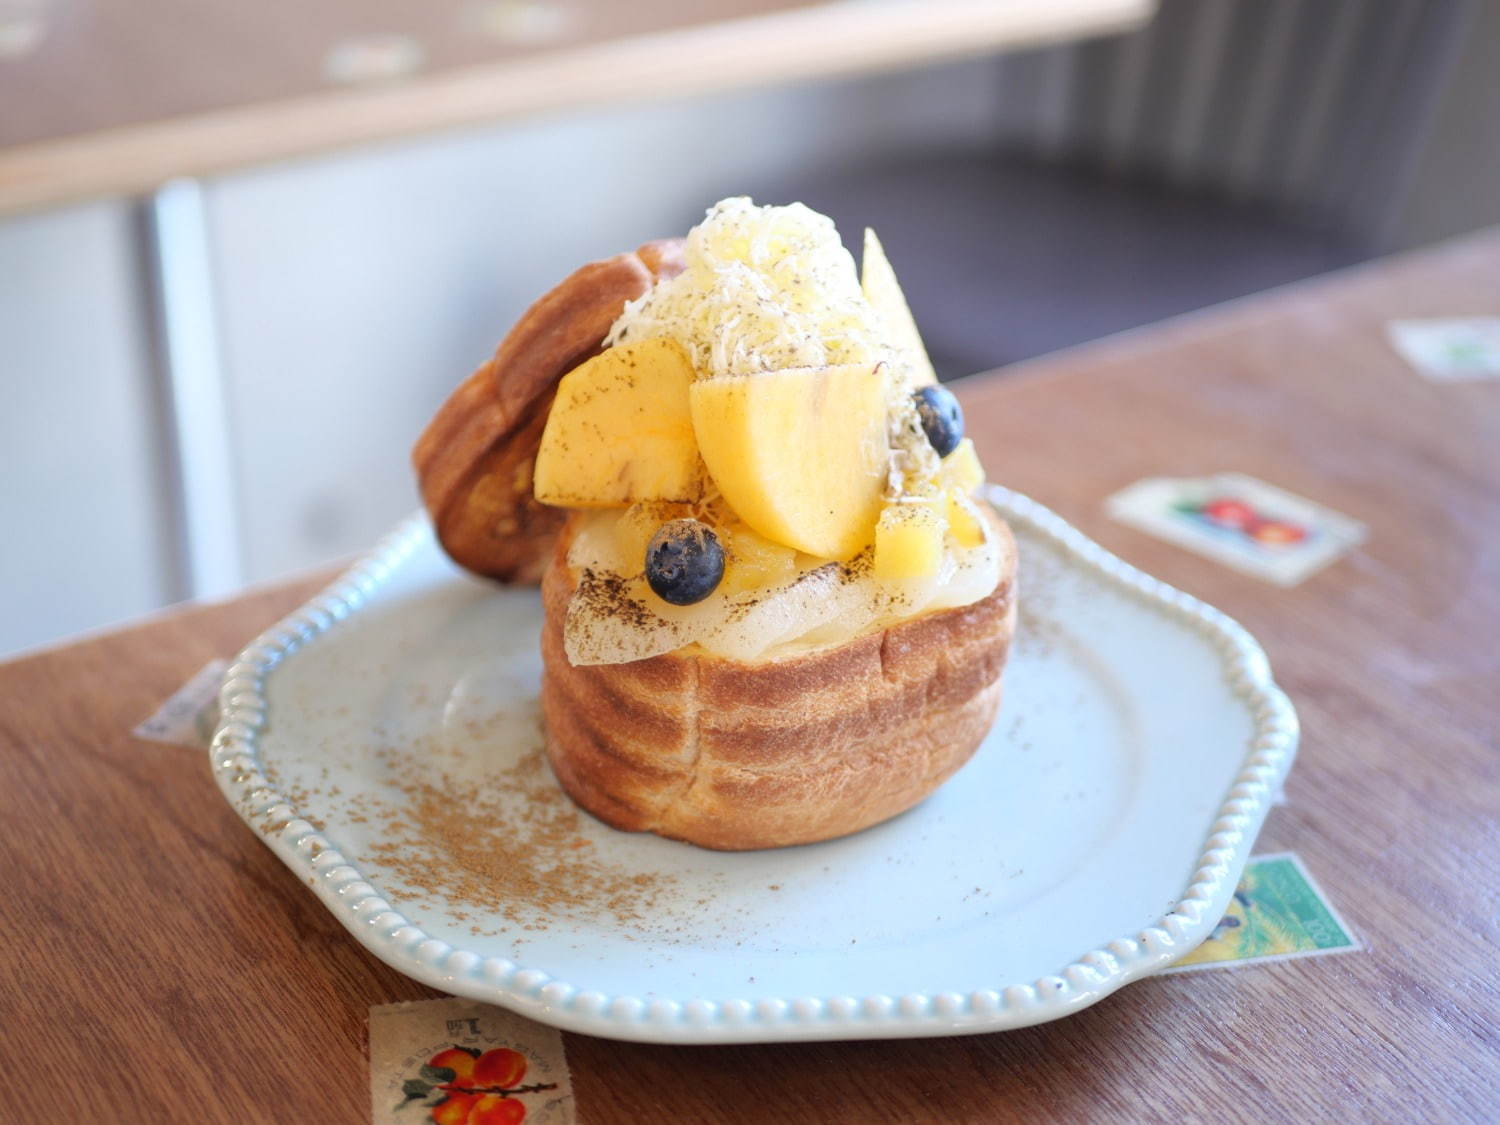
x=1242, y=522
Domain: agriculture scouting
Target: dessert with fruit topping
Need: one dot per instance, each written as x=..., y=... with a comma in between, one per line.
x=776, y=609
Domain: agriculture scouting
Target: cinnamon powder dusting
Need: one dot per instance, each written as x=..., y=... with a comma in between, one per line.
x=506, y=843
x=604, y=593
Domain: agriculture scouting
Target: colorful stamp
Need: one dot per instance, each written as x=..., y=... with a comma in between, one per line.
x=1450, y=350
x=1277, y=913
x=458, y=1062
x=1242, y=522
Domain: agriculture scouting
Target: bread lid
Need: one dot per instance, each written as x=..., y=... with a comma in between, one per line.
x=474, y=460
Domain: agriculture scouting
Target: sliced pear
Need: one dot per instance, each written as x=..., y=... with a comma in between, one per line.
x=800, y=455
x=620, y=431
x=883, y=291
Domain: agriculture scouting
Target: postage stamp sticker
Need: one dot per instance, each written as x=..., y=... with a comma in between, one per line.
x=460, y=1061
x=1244, y=523
x=1278, y=913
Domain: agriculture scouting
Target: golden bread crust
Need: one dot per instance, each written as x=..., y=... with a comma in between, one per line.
x=474, y=460
x=789, y=751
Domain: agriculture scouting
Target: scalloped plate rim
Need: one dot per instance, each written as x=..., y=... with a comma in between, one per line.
x=357, y=903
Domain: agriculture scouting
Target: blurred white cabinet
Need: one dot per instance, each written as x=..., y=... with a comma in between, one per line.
x=84, y=500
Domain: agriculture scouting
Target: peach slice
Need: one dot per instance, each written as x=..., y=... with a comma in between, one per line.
x=620, y=431
x=800, y=455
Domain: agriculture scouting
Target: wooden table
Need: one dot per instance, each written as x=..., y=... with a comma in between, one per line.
x=109, y=97
x=213, y=983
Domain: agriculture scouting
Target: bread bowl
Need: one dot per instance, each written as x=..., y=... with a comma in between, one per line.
x=844, y=654
x=474, y=459
x=805, y=747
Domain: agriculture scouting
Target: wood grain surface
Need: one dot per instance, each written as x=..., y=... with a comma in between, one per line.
x=160, y=964
x=118, y=97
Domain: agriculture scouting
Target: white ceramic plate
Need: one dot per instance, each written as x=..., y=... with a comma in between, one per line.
x=1095, y=837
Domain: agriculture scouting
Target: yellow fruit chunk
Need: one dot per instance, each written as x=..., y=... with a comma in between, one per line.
x=800, y=455
x=964, y=521
x=961, y=471
x=754, y=562
x=909, y=538
x=620, y=431
x=883, y=291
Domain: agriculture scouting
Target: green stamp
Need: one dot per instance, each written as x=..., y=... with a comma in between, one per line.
x=1277, y=913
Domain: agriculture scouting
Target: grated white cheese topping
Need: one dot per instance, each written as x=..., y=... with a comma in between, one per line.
x=771, y=288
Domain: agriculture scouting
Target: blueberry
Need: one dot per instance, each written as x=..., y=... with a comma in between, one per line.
x=942, y=418
x=684, y=562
